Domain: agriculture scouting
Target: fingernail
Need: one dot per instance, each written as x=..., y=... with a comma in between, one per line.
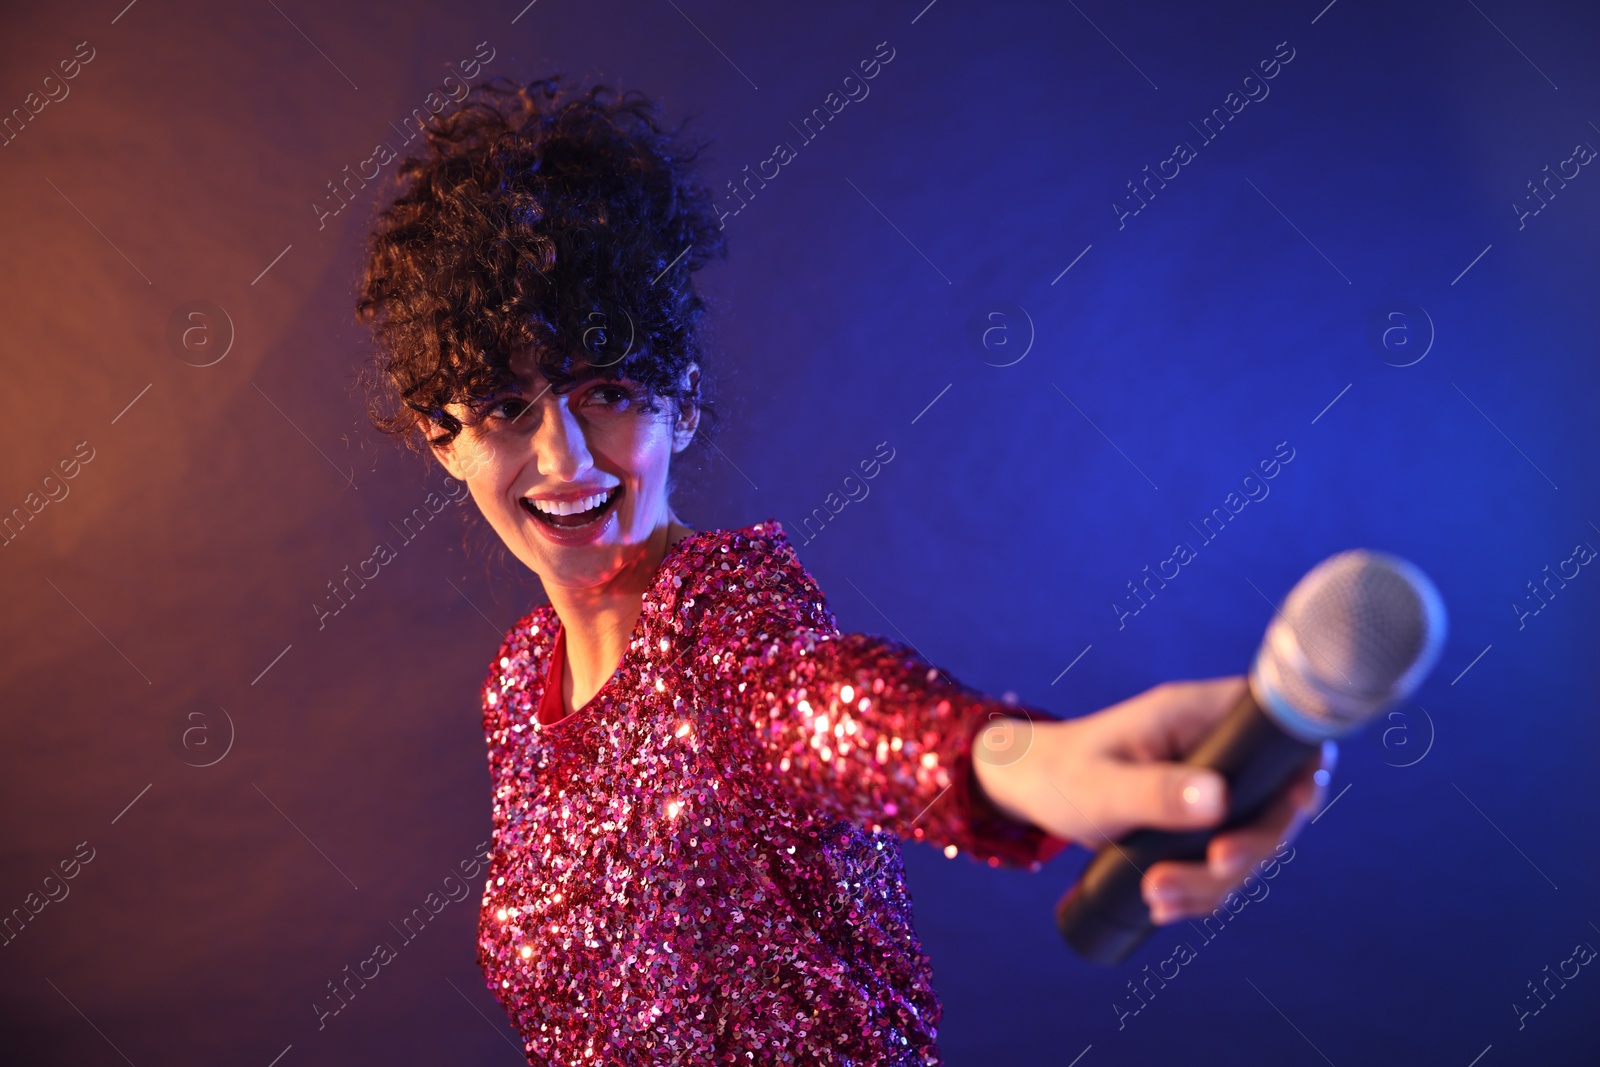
x=1164, y=894
x=1229, y=866
x=1165, y=911
x=1203, y=794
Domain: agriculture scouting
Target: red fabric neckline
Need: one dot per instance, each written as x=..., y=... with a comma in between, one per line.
x=551, y=709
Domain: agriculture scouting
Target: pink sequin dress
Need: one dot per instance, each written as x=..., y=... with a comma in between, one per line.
x=702, y=864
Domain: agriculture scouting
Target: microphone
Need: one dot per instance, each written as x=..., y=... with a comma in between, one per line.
x=1355, y=636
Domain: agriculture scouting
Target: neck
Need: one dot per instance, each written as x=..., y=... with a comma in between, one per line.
x=597, y=621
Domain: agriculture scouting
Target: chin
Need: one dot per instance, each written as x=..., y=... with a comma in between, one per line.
x=584, y=565
x=570, y=572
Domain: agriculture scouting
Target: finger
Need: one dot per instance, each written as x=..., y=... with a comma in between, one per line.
x=1232, y=850
x=1167, y=721
x=1330, y=756
x=1166, y=796
x=1189, y=890
x=1309, y=790
x=1231, y=853
x=1174, y=889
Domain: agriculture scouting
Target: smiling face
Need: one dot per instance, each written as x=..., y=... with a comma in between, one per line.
x=575, y=484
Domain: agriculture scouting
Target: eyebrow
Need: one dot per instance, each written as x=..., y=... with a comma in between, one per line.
x=515, y=385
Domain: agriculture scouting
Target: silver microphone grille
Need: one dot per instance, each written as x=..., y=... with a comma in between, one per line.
x=1356, y=635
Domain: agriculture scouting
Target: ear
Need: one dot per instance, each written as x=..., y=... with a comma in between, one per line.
x=688, y=420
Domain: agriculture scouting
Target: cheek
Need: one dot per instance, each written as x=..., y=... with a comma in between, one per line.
x=660, y=455
x=469, y=457
x=642, y=450
x=490, y=484
x=493, y=506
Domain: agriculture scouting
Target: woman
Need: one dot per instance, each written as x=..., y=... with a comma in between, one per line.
x=699, y=782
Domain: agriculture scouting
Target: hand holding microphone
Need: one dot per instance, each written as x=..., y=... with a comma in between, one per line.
x=1095, y=778
x=1355, y=636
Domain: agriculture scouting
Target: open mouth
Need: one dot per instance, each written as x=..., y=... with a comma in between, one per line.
x=599, y=504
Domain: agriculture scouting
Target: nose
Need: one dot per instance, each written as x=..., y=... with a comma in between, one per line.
x=559, y=447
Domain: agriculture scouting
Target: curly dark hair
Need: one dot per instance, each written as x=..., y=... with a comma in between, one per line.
x=565, y=225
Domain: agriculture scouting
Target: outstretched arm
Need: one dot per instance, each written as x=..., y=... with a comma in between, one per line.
x=866, y=729
x=852, y=725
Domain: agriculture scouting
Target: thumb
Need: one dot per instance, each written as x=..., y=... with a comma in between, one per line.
x=1167, y=796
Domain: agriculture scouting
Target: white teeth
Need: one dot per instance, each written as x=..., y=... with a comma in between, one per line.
x=571, y=507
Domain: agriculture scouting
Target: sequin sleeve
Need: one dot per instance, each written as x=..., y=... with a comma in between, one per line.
x=856, y=725
x=505, y=709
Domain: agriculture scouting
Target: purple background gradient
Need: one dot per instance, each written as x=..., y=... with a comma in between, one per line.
x=1233, y=312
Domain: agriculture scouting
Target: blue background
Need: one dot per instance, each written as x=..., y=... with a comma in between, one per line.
x=1235, y=311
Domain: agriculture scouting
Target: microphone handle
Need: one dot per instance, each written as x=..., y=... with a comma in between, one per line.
x=1104, y=916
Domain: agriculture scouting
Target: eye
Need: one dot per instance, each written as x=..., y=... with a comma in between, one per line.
x=508, y=408
x=613, y=395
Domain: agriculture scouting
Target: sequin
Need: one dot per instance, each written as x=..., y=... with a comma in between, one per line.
x=702, y=864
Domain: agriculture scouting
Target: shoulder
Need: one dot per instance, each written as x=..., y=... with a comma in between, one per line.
x=518, y=664
x=753, y=570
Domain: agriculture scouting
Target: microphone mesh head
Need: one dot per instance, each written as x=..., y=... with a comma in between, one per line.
x=1356, y=635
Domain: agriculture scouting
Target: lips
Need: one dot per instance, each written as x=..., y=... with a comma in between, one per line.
x=575, y=520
